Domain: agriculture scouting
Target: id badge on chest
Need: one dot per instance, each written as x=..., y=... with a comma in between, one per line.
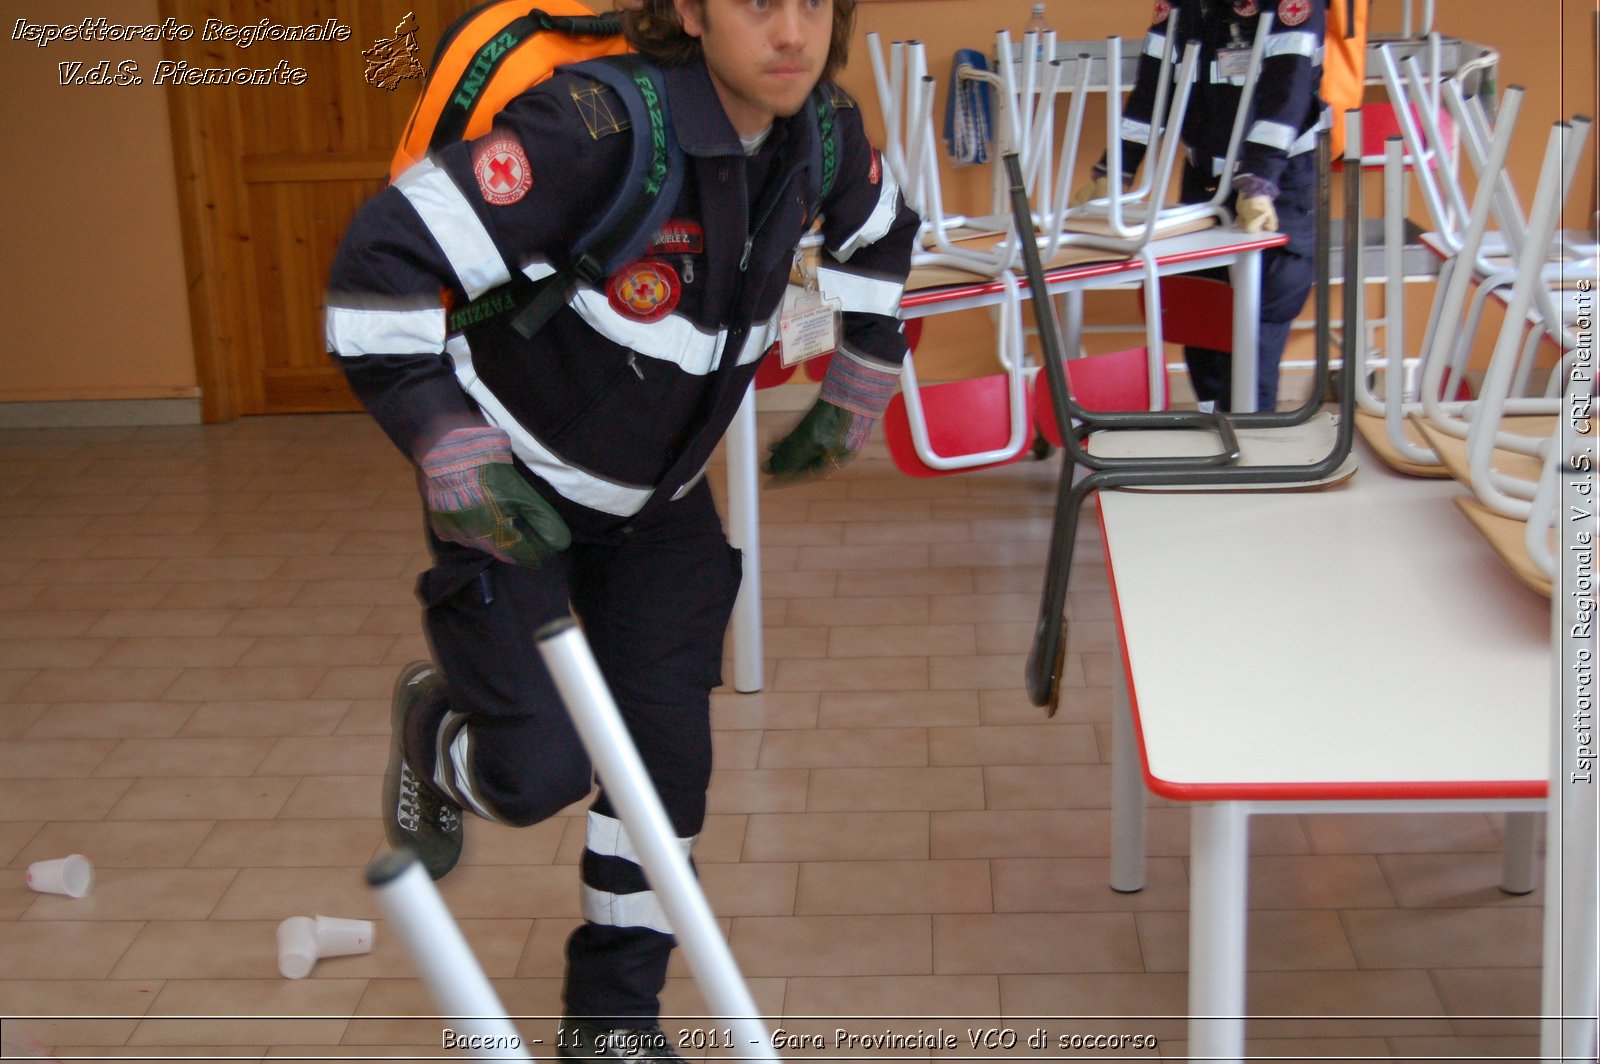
x=809, y=325
x=1233, y=62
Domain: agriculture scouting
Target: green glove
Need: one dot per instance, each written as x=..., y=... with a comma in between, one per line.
x=475, y=496
x=813, y=448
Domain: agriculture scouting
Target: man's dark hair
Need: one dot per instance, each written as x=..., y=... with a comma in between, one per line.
x=655, y=30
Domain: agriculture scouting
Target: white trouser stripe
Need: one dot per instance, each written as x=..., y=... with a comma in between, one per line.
x=858, y=292
x=1155, y=44
x=351, y=332
x=581, y=486
x=607, y=837
x=1272, y=134
x=1291, y=44
x=879, y=221
x=452, y=223
x=625, y=910
x=460, y=762
x=1135, y=131
x=1306, y=141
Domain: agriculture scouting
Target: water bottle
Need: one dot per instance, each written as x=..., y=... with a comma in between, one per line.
x=1037, y=27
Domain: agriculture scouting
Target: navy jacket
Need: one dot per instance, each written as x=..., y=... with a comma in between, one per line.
x=618, y=402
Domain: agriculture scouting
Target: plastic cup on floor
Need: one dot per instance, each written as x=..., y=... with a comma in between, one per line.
x=297, y=947
x=337, y=937
x=70, y=875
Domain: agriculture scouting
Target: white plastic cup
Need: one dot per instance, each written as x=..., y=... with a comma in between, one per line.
x=337, y=937
x=70, y=875
x=297, y=947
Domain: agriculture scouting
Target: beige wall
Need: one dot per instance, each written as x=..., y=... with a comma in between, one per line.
x=94, y=281
x=94, y=302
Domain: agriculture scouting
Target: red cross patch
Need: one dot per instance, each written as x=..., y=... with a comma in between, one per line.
x=1293, y=12
x=875, y=174
x=645, y=291
x=1245, y=8
x=502, y=169
x=1163, y=9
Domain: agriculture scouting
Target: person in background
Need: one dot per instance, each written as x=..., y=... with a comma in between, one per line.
x=1274, y=179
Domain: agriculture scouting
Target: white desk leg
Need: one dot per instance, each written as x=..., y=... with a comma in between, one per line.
x=1517, y=853
x=744, y=532
x=1219, y=854
x=1246, y=277
x=1069, y=313
x=1127, y=793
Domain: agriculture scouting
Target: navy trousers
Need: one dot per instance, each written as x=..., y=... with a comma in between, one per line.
x=1287, y=274
x=654, y=597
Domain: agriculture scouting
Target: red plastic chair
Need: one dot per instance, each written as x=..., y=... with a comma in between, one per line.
x=1379, y=122
x=965, y=421
x=1195, y=311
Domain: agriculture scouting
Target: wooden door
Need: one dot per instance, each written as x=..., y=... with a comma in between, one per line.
x=269, y=176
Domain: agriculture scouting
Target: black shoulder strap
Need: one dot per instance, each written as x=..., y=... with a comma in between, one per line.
x=644, y=199
x=824, y=144
x=453, y=119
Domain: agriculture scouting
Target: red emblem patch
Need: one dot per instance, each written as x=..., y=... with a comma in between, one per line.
x=645, y=291
x=1245, y=8
x=502, y=169
x=875, y=174
x=1294, y=12
x=679, y=237
x=1163, y=9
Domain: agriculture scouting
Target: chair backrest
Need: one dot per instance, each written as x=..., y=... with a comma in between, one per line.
x=1195, y=311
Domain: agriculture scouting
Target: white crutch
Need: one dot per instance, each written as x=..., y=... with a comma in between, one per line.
x=412, y=906
x=616, y=761
x=412, y=903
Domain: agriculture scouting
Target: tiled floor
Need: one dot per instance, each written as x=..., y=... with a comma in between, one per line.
x=198, y=632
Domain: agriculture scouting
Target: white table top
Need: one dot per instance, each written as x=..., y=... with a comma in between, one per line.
x=1358, y=642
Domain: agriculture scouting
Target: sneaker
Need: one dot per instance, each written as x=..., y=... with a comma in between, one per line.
x=588, y=1040
x=417, y=817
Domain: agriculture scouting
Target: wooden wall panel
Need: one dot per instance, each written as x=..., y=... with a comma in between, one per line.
x=269, y=177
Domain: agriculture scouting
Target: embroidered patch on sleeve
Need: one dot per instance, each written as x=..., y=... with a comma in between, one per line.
x=1294, y=12
x=594, y=105
x=502, y=170
x=1245, y=8
x=1163, y=9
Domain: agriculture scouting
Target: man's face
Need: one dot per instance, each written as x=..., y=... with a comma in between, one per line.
x=765, y=56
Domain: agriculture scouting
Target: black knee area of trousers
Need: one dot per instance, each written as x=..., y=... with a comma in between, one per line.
x=480, y=615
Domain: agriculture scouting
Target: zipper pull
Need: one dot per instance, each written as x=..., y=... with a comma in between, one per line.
x=633, y=364
x=688, y=269
x=744, y=260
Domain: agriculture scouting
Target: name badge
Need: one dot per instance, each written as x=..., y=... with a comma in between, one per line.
x=1233, y=62
x=808, y=327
